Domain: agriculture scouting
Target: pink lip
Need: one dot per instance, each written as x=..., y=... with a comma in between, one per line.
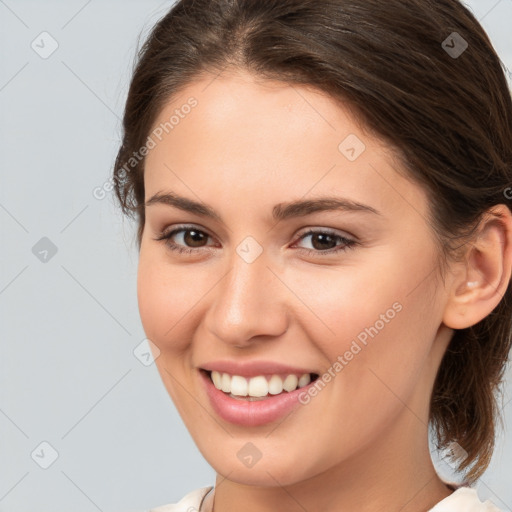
x=252, y=414
x=253, y=368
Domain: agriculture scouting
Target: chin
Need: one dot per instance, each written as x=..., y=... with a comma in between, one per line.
x=275, y=469
x=264, y=475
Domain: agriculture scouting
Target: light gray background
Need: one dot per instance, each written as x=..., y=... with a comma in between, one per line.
x=69, y=325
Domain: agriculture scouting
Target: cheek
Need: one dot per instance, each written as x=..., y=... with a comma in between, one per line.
x=372, y=318
x=342, y=302
x=165, y=298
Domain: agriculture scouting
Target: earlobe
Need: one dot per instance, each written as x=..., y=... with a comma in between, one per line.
x=484, y=274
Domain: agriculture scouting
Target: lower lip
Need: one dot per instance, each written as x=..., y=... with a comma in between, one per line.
x=251, y=413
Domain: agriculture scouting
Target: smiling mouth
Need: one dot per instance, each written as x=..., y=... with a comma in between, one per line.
x=258, y=387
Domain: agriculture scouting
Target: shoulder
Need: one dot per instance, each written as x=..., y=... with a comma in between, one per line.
x=191, y=502
x=464, y=499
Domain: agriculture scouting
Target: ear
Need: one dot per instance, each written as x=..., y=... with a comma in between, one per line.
x=481, y=279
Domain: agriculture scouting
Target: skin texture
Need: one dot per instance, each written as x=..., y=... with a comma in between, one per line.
x=361, y=443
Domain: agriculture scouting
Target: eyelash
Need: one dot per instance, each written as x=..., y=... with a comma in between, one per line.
x=347, y=243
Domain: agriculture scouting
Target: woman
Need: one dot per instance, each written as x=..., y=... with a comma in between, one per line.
x=325, y=245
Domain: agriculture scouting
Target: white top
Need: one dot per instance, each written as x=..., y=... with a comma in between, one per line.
x=463, y=499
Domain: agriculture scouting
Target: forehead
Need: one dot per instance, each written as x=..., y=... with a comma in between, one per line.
x=255, y=107
x=235, y=133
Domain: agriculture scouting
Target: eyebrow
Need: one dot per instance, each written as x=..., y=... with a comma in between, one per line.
x=280, y=211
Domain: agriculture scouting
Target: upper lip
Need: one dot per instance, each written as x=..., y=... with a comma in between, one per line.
x=253, y=368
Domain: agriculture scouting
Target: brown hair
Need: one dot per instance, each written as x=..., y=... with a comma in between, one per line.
x=399, y=66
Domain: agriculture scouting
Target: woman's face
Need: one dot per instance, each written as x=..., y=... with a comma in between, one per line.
x=340, y=285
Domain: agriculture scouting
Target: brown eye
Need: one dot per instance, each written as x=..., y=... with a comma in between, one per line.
x=326, y=242
x=323, y=241
x=194, y=238
x=185, y=239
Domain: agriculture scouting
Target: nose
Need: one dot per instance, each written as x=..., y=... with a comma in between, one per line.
x=247, y=304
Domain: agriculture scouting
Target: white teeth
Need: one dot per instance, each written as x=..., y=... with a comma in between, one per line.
x=258, y=386
x=290, y=383
x=304, y=380
x=239, y=386
x=275, y=385
x=226, y=383
x=217, y=380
